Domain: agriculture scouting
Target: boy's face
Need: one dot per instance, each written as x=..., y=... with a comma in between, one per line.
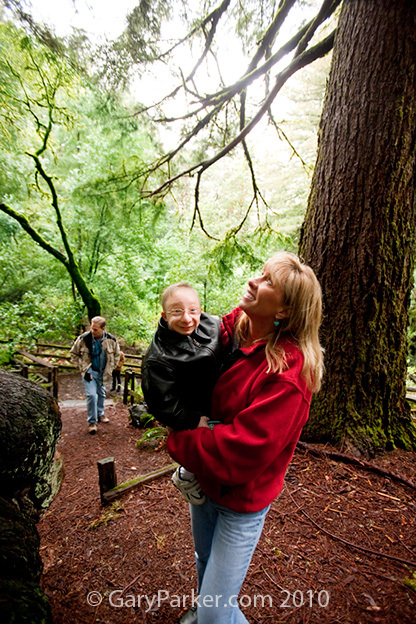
x=183, y=311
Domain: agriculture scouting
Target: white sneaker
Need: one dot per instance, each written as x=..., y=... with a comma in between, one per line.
x=190, y=616
x=190, y=490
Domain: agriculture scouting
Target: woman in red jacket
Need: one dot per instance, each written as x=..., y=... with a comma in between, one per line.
x=273, y=365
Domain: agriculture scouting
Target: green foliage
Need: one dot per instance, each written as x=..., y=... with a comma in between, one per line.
x=34, y=318
x=411, y=582
x=86, y=144
x=154, y=433
x=144, y=25
x=127, y=248
x=111, y=513
x=252, y=18
x=6, y=355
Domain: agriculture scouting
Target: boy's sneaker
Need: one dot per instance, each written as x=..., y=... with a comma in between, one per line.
x=190, y=490
x=103, y=419
x=92, y=429
x=190, y=617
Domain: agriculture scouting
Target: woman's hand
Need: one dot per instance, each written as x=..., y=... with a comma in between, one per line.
x=203, y=421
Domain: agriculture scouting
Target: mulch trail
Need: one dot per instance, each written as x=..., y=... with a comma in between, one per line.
x=132, y=561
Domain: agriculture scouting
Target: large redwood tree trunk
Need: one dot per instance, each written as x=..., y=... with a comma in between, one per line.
x=359, y=230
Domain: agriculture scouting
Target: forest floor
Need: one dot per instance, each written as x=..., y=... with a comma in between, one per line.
x=337, y=545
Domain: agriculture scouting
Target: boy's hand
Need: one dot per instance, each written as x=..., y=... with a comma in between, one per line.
x=203, y=421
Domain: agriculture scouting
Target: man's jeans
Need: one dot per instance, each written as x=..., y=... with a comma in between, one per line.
x=95, y=391
x=224, y=543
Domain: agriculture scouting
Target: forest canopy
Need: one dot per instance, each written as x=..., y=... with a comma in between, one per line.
x=100, y=148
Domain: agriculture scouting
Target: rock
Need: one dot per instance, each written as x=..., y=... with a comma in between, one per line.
x=139, y=416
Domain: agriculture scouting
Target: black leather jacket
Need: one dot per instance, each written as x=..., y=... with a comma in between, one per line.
x=179, y=373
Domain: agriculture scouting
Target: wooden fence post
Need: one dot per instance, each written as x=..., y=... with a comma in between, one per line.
x=133, y=379
x=53, y=381
x=126, y=386
x=54, y=388
x=107, y=476
x=129, y=380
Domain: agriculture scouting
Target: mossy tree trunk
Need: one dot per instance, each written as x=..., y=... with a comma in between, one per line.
x=359, y=230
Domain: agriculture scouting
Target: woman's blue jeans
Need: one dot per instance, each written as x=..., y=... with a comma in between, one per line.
x=224, y=545
x=95, y=392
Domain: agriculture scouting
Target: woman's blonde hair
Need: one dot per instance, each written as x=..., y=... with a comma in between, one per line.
x=302, y=301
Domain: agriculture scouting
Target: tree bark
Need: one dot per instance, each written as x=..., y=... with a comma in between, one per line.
x=359, y=229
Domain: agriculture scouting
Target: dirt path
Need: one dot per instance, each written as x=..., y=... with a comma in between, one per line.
x=137, y=555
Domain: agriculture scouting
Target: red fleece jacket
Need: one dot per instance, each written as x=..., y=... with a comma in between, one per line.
x=241, y=463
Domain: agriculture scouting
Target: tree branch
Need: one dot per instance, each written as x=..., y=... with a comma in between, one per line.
x=256, y=189
x=226, y=94
x=283, y=135
x=356, y=461
x=197, y=211
x=55, y=205
x=34, y=234
x=271, y=33
x=346, y=542
x=201, y=124
x=307, y=57
x=326, y=10
x=253, y=72
x=214, y=18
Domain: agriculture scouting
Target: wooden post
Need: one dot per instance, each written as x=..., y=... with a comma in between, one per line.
x=134, y=483
x=129, y=380
x=55, y=382
x=126, y=386
x=133, y=376
x=107, y=476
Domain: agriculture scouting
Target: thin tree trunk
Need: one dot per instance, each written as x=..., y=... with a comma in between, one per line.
x=359, y=230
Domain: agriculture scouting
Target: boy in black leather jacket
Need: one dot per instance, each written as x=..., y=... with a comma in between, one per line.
x=180, y=369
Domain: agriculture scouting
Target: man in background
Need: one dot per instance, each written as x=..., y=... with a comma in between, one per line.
x=95, y=354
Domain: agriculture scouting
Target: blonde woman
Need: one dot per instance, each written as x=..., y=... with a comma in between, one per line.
x=273, y=365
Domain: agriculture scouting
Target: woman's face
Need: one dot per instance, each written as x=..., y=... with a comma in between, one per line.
x=263, y=300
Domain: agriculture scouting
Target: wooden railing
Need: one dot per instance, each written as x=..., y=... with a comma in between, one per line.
x=41, y=371
x=58, y=353
x=48, y=359
x=130, y=394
